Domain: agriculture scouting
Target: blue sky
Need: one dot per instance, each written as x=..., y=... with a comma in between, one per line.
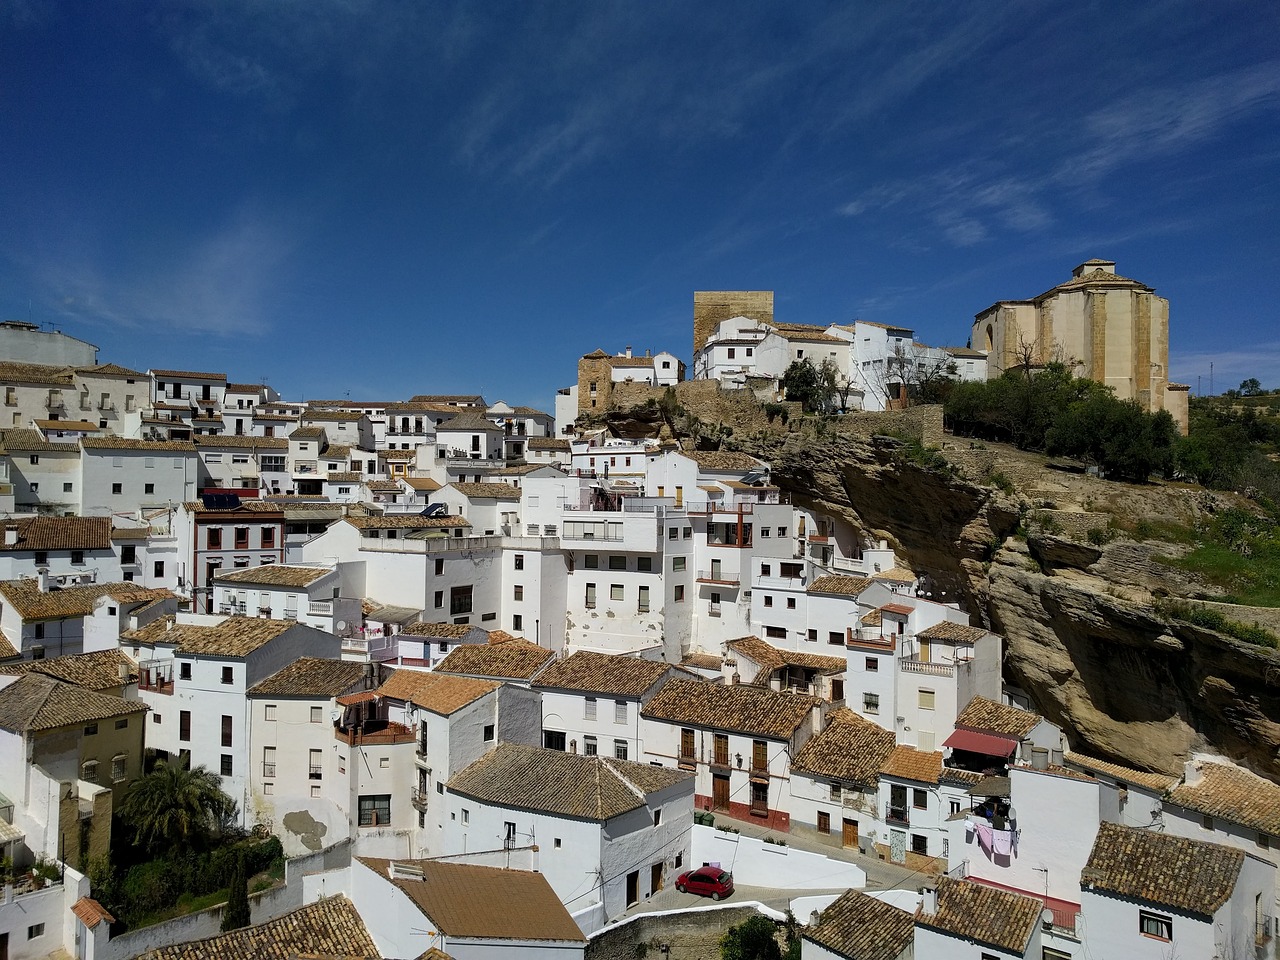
x=389, y=198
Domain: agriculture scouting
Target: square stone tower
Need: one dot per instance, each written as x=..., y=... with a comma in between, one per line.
x=712, y=306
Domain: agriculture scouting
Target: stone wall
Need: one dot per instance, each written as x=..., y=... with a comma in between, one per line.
x=923, y=423
x=710, y=307
x=689, y=935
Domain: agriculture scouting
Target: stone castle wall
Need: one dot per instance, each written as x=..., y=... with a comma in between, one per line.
x=710, y=307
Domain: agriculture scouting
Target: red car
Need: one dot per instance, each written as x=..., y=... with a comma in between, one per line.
x=707, y=882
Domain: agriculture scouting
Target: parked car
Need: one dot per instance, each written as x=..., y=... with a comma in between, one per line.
x=706, y=882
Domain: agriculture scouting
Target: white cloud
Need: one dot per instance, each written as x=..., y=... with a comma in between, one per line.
x=225, y=284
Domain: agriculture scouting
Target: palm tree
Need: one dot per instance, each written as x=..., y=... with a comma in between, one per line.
x=176, y=807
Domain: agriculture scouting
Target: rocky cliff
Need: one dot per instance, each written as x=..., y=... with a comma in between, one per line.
x=1082, y=633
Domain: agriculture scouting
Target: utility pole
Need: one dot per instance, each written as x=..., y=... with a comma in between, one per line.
x=1211, y=378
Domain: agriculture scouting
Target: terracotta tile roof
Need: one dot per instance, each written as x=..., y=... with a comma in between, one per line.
x=1163, y=869
x=984, y=714
x=128, y=443
x=723, y=461
x=895, y=574
x=410, y=522
x=130, y=533
x=60, y=533
x=770, y=658
x=843, y=586
x=233, y=637
x=438, y=693
x=851, y=749
x=188, y=375
x=244, y=388
x=614, y=674
x=307, y=433
x=332, y=416
x=245, y=506
x=469, y=422
x=422, y=483
x=492, y=491
x=78, y=426
x=801, y=331
x=568, y=784
x=109, y=370
x=274, y=575
x=872, y=619
x=908, y=763
x=548, y=443
x=956, y=775
x=12, y=371
x=35, y=702
x=378, y=486
x=330, y=927
x=736, y=708
x=7, y=650
x=98, y=670
x=702, y=661
x=32, y=604
x=859, y=927
x=241, y=443
x=398, y=454
x=952, y=632
x=512, y=660
x=275, y=417
x=1233, y=794
x=464, y=900
x=1157, y=782
x=91, y=913
x=26, y=440
x=984, y=914
x=897, y=609
x=311, y=677
x=445, y=631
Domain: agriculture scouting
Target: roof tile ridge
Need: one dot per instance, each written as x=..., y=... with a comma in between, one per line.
x=626, y=781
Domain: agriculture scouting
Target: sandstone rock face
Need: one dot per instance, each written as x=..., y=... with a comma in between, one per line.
x=1082, y=636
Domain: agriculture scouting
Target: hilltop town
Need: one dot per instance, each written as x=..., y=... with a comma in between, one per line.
x=464, y=676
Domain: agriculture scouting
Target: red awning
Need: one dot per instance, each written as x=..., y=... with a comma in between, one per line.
x=987, y=744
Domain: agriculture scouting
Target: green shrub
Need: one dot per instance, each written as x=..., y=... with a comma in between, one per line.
x=1212, y=619
x=1000, y=481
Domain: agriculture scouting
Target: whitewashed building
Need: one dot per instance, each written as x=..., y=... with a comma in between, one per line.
x=609, y=832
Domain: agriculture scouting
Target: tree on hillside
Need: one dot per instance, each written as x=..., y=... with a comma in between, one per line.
x=236, y=914
x=753, y=939
x=175, y=807
x=1251, y=388
x=814, y=388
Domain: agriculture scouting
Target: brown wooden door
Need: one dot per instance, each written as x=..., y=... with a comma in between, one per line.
x=720, y=792
x=849, y=835
x=824, y=822
x=655, y=878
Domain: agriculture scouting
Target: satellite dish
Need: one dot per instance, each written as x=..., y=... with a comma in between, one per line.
x=342, y=624
x=1046, y=915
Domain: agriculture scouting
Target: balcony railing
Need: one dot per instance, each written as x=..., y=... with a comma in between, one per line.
x=713, y=610
x=687, y=761
x=719, y=576
x=315, y=772
x=759, y=808
x=268, y=769
x=759, y=769
x=926, y=668
x=419, y=798
x=897, y=815
x=322, y=608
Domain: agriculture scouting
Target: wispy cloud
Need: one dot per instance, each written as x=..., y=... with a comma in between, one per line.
x=225, y=284
x=969, y=199
x=1228, y=368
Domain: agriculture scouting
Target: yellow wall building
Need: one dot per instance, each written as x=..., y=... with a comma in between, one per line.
x=1101, y=325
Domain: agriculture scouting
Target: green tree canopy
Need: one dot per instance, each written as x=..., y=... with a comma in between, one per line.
x=236, y=915
x=174, y=807
x=753, y=939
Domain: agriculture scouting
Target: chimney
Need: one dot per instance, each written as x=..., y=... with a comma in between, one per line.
x=10, y=536
x=1040, y=758
x=815, y=718
x=42, y=579
x=929, y=905
x=1192, y=772
x=1055, y=755
x=1024, y=751
x=648, y=354
x=628, y=350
